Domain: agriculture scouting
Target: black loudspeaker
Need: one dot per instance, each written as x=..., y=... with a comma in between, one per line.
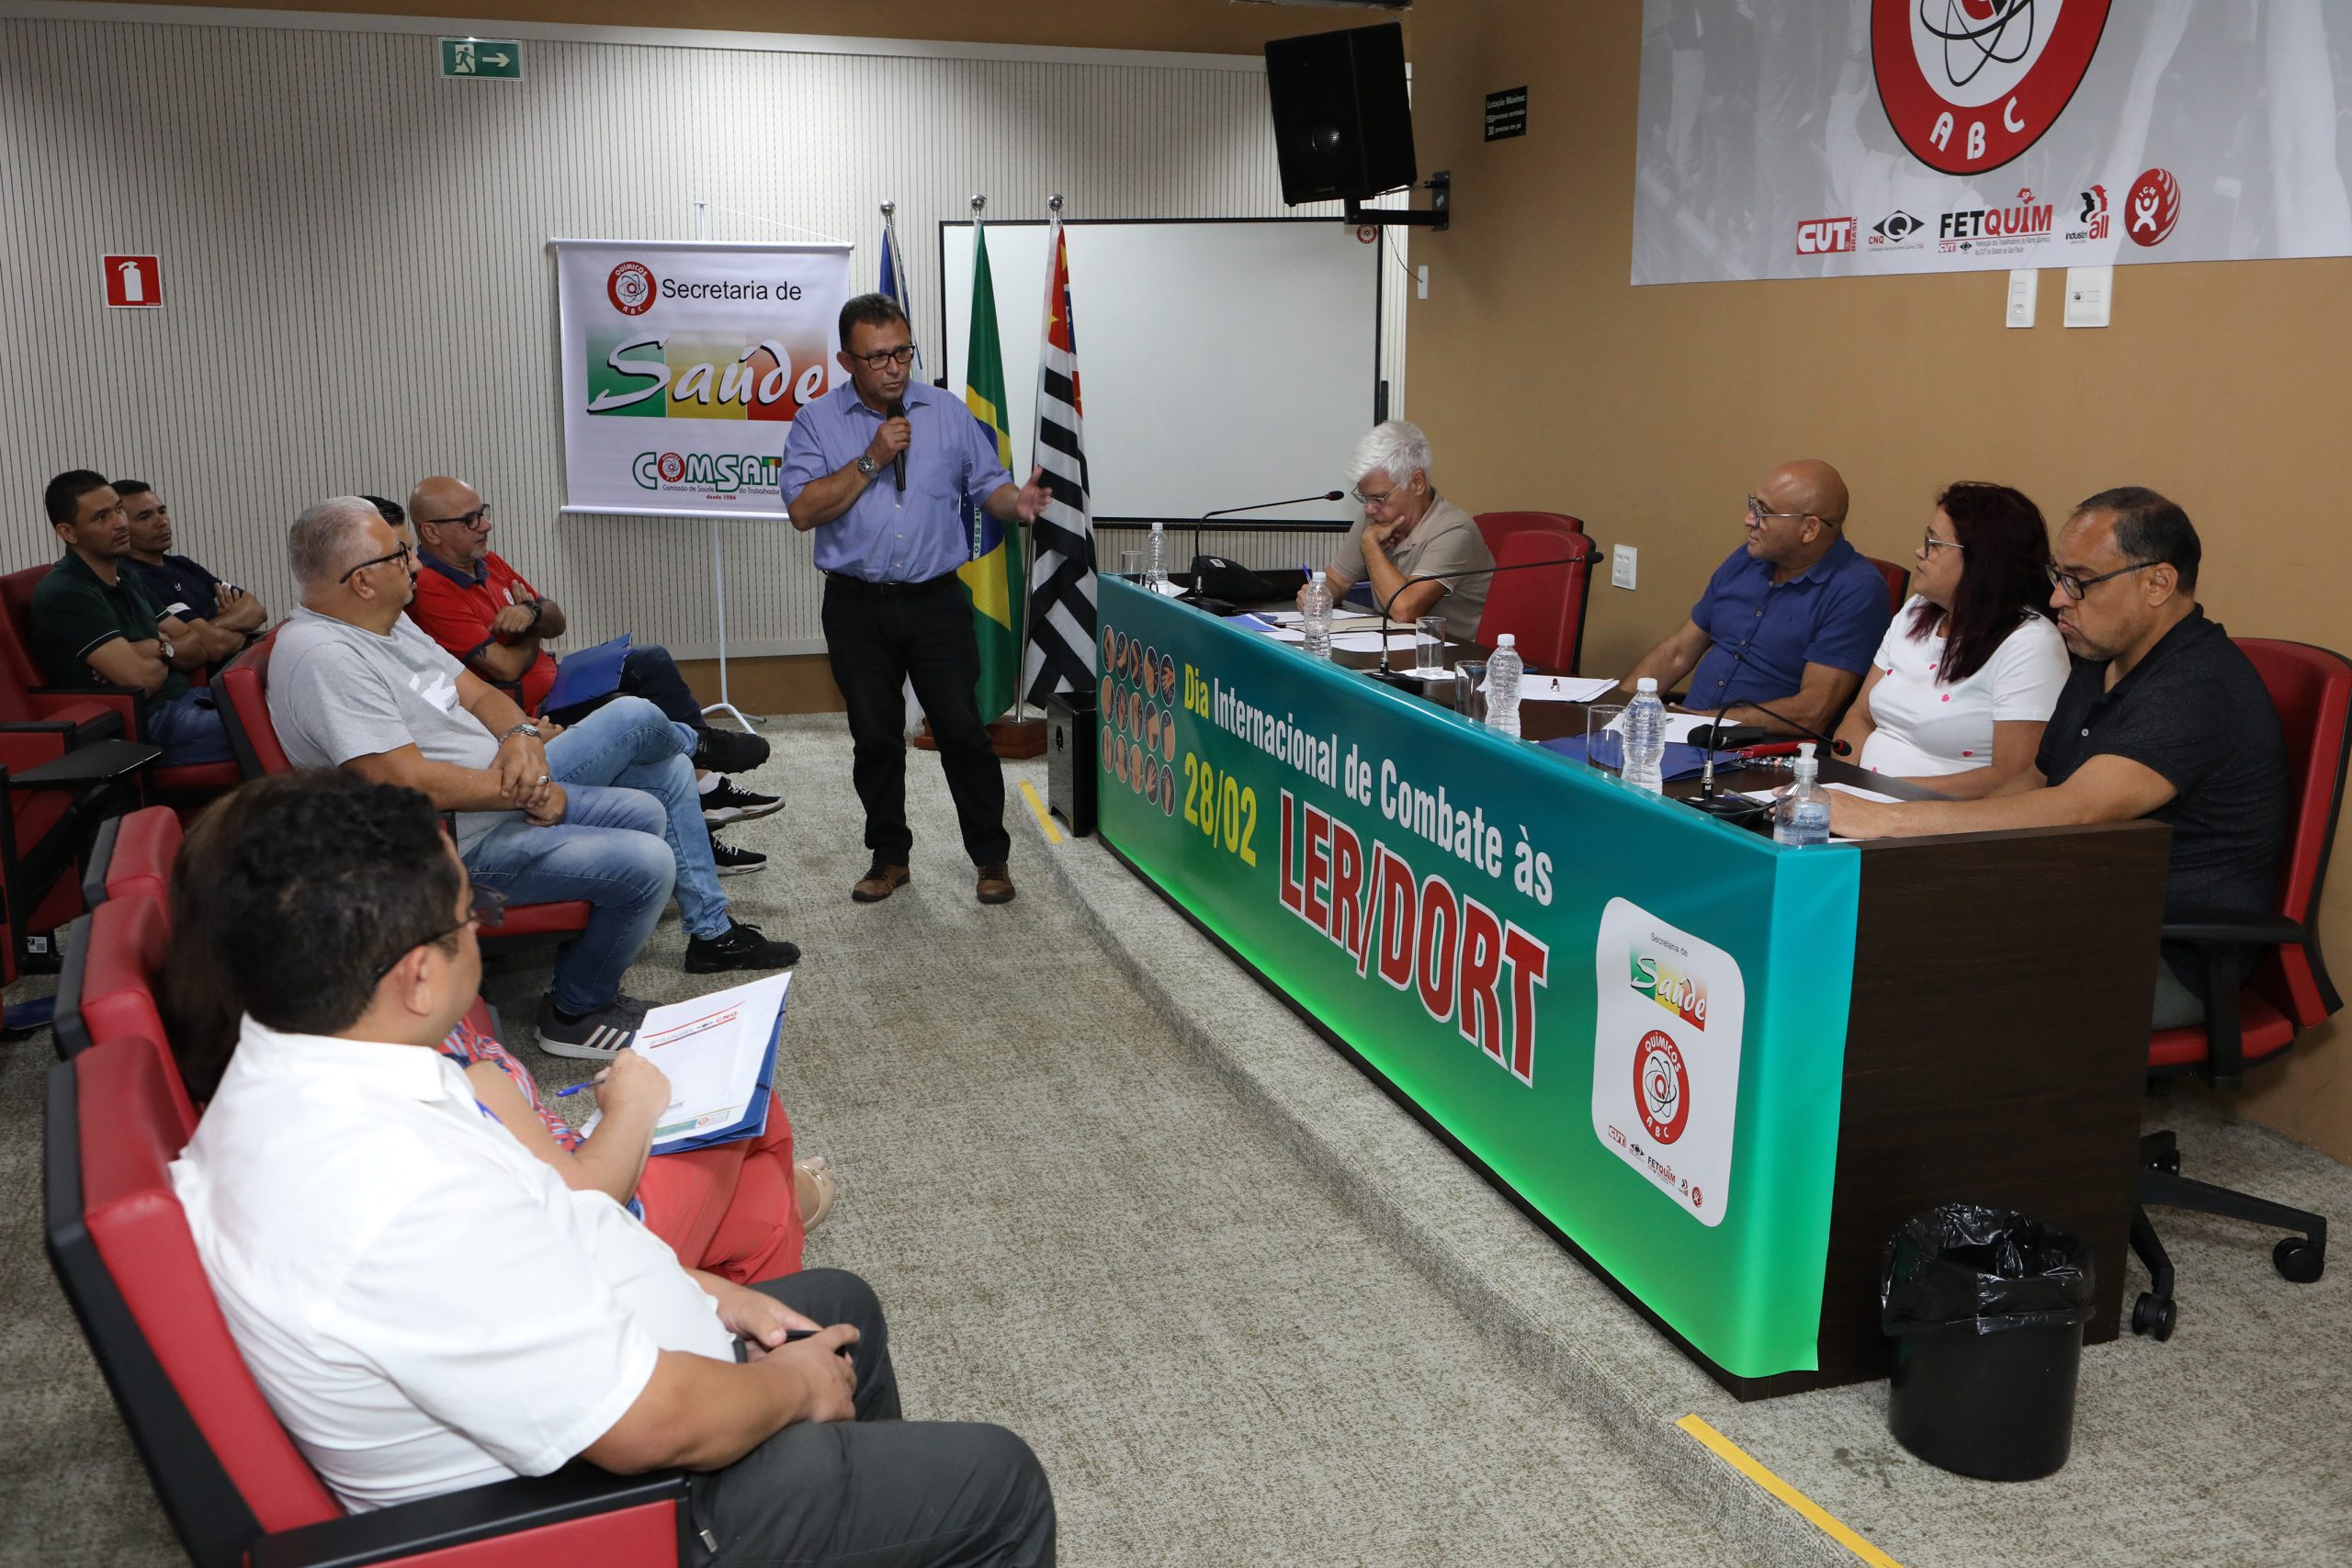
x=1069, y=760
x=1344, y=122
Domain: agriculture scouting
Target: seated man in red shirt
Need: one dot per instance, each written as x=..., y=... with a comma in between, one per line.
x=484, y=613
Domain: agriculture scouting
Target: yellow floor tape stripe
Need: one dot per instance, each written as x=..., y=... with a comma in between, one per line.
x=1044, y=820
x=1732, y=1454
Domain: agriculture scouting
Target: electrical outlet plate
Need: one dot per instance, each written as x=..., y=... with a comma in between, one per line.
x=1623, y=561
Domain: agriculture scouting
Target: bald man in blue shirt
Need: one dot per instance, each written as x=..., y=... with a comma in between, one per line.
x=1791, y=618
x=894, y=611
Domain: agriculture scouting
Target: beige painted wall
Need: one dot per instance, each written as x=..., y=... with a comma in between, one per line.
x=1547, y=380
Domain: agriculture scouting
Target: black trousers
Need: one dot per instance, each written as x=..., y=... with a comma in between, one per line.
x=877, y=1492
x=649, y=673
x=879, y=640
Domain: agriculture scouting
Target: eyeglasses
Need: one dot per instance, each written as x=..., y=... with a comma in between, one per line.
x=1761, y=514
x=1373, y=498
x=2073, y=587
x=478, y=518
x=902, y=355
x=487, y=907
x=1929, y=544
x=404, y=553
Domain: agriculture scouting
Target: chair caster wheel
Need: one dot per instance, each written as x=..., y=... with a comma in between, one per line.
x=2299, y=1259
x=2153, y=1315
x=2168, y=1162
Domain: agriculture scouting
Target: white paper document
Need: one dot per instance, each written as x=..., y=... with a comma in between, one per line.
x=1369, y=642
x=1679, y=726
x=1564, y=688
x=1862, y=793
x=711, y=1050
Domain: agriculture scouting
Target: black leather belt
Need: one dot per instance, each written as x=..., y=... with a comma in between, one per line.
x=847, y=580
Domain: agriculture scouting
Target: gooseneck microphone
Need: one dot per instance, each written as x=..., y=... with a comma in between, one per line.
x=1393, y=679
x=899, y=463
x=1197, y=594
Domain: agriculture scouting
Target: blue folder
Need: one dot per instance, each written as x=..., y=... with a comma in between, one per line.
x=1681, y=761
x=584, y=676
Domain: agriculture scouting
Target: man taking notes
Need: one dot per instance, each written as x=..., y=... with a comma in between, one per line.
x=1791, y=619
x=2161, y=717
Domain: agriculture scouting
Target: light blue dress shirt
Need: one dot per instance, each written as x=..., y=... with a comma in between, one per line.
x=886, y=536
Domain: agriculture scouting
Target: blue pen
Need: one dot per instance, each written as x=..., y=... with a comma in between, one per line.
x=576, y=1088
x=1306, y=571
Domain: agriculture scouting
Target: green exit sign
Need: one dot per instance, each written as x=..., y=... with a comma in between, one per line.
x=499, y=57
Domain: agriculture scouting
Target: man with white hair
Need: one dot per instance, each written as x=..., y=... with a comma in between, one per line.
x=540, y=816
x=1409, y=531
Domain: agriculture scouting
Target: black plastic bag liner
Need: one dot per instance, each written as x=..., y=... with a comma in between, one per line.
x=1990, y=1269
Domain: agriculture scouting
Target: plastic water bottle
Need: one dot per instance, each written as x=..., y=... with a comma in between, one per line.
x=1155, y=568
x=1802, y=816
x=1503, y=671
x=1646, y=738
x=1316, y=603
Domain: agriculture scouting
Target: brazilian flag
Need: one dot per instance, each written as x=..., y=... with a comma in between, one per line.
x=992, y=577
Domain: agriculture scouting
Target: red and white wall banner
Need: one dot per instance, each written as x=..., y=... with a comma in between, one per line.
x=1867, y=137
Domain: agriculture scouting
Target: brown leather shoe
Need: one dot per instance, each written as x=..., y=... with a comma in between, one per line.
x=996, y=884
x=879, y=882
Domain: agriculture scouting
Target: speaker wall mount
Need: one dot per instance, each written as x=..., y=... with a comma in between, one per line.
x=1437, y=217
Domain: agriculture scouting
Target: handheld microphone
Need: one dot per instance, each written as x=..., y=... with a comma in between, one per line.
x=1198, y=593
x=899, y=463
x=1392, y=677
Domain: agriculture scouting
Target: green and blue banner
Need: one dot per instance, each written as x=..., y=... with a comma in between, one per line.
x=1631, y=1014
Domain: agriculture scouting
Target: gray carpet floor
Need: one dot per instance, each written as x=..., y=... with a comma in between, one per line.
x=1078, y=1229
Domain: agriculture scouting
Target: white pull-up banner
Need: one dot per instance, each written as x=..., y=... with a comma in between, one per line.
x=1866, y=137
x=684, y=365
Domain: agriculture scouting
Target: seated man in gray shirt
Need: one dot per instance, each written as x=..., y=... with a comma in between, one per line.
x=604, y=811
x=1407, y=530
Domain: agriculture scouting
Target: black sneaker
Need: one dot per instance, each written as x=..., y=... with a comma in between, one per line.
x=741, y=948
x=728, y=860
x=598, y=1037
x=731, y=801
x=730, y=751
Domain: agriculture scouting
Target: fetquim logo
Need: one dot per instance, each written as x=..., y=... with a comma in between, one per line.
x=1969, y=84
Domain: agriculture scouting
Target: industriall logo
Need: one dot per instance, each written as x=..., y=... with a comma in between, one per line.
x=2092, y=220
x=1969, y=84
x=631, y=288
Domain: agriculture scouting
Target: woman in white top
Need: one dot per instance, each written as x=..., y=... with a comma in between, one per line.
x=1967, y=674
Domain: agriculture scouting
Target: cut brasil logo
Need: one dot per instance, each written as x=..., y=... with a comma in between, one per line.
x=1969, y=84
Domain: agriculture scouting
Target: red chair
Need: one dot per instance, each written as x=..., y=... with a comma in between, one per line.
x=1898, y=582
x=234, y=1485
x=189, y=782
x=1497, y=527
x=1543, y=608
x=2289, y=991
x=243, y=684
x=133, y=853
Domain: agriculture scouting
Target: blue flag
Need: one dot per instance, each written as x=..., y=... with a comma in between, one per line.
x=894, y=285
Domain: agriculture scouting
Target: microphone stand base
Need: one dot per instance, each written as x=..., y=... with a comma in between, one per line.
x=1727, y=806
x=1201, y=601
x=1399, y=679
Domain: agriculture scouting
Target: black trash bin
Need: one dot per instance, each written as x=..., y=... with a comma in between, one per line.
x=1987, y=1308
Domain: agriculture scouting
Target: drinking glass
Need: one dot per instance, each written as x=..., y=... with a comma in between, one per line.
x=1604, y=736
x=1469, y=698
x=1131, y=565
x=1428, y=643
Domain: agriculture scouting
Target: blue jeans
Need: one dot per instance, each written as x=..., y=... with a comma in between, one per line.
x=189, y=730
x=607, y=850
x=628, y=743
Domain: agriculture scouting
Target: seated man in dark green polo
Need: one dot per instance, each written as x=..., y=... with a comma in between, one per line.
x=93, y=624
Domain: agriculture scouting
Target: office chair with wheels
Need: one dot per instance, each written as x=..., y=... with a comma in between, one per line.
x=2290, y=990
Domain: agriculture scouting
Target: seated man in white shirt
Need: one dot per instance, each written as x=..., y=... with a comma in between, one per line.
x=428, y=1307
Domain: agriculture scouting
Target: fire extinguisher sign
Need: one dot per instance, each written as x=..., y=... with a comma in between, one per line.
x=133, y=283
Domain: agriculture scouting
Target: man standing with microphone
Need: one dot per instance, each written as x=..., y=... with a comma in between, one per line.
x=894, y=610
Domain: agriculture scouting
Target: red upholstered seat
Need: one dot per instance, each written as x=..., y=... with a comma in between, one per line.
x=1497, y=527
x=145, y=844
x=1898, y=581
x=1542, y=607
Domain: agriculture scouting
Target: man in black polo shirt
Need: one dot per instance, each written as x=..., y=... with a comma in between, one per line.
x=182, y=586
x=93, y=624
x=2161, y=717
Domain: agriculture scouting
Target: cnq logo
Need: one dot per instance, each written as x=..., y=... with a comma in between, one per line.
x=716, y=473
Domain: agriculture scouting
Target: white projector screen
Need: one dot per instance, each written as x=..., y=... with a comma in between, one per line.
x=1221, y=361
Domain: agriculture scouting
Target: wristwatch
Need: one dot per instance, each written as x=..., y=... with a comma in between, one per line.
x=165, y=644
x=868, y=466
x=526, y=727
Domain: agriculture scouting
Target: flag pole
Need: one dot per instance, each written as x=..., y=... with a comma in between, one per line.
x=1028, y=529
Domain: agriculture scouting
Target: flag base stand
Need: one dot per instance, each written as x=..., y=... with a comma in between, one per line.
x=1013, y=738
